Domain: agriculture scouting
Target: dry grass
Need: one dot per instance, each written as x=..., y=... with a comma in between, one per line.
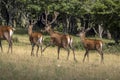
x=21, y=66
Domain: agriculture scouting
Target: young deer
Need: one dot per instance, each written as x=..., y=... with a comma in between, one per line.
x=35, y=38
x=90, y=44
x=6, y=33
x=60, y=40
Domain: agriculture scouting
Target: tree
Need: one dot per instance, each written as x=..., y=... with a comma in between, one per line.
x=102, y=15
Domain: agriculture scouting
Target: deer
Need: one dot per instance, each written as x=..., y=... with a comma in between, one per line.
x=35, y=38
x=90, y=44
x=6, y=33
x=56, y=38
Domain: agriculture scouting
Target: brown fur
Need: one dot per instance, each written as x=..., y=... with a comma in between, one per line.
x=34, y=40
x=60, y=40
x=5, y=35
x=91, y=44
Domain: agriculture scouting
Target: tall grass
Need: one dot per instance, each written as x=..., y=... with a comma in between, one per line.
x=21, y=66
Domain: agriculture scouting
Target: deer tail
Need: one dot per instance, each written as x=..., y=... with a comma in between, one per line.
x=40, y=40
x=70, y=40
x=11, y=31
x=101, y=44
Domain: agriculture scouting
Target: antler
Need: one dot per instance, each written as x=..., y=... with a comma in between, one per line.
x=33, y=21
x=87, y=29
x=54, y=17
x=45, y=21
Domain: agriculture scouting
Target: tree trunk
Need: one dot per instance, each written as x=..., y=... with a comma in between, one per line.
x=10, y=19
x=67, y=23
x=73, y=27
x=14, y=22
x=64, y=27
x=78, y=23
x=116, y=37
x=100, y=29
x=109, y=34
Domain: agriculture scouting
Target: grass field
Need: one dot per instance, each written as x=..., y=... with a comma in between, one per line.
x=21, y=66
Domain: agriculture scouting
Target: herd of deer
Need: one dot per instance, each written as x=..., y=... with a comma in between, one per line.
x=60, y=40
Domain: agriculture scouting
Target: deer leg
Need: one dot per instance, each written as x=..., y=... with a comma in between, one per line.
x=41, y=49
x=101, y=54
x=66, y=48
x=37, y=50
x=73, y=52
x=102, y=58
x=9, y=40
x=1, y=46
x=10, y=46
x=88, y=57
x=86, y=53
x=58, y=52
x=68, y=53
x=46, y=47
x=32, y=52
x=50, y=43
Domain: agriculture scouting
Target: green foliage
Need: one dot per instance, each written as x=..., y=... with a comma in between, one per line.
x=34, y=7
x=59, y=29
x=111, y=48
x=46, y=40
x=21, y=31
x=106, y=12
x=98, y=7
x=78, y=46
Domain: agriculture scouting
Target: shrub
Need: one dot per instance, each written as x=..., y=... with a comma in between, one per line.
x=78, y=46
x=46, y=41
x=111, y=48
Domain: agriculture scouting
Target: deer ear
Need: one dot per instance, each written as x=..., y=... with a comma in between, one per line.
x=30, y=21
x=82, y=29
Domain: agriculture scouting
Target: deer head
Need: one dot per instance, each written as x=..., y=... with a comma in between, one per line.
x=82, y=32
x=30, y=26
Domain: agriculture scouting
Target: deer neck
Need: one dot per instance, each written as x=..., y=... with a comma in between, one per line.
x=30, y=30
x=82, y=38
x=51, y=32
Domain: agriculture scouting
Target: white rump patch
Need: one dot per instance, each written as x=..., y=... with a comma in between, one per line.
x=101, y=44
x=69, y=40
x=11, y=32
x=40, y=40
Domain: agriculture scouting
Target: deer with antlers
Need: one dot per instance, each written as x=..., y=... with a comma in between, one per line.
x=90, y=44
x=60, y=40
x=6, y=33
x=35, y=38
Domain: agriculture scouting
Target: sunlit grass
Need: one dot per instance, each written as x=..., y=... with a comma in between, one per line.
x=20, y=65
